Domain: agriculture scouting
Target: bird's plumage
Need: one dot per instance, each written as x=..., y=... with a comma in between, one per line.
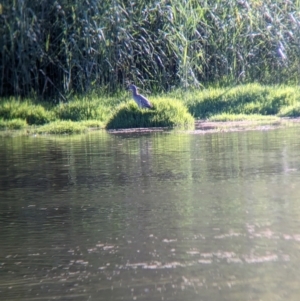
x=141, y=100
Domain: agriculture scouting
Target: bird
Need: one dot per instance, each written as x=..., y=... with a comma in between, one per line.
x=141, y=100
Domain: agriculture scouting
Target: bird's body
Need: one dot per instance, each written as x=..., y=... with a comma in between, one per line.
x=141, y=100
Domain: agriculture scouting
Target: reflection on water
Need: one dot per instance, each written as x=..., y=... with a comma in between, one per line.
x=161, y=216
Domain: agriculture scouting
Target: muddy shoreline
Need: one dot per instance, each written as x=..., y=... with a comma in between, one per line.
x=205, y=126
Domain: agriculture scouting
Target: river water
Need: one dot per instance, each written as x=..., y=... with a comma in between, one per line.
x=151, y=216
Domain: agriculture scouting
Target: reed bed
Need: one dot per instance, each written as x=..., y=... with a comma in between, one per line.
x=52, y=49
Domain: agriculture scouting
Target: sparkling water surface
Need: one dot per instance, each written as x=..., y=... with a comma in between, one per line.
x=152, y=216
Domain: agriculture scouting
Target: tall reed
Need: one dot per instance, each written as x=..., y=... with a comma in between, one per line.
x=53, y=48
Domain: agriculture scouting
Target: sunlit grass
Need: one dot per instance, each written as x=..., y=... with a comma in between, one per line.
x=61, y=127
x=290, y=111
x=177, y=109
x=33, y=113
x=14, y=124
x=84, y=108
x=93, y=124
x=243, y=117
x=244, y=99
x=165, y=113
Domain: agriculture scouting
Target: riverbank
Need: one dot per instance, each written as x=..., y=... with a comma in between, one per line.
x=244, y=105
x=206, y=126
x=201, y=127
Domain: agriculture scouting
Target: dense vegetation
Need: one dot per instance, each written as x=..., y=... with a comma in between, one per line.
x=52, y=49
x=178, y=108
x=245, y=99
x=165, y=113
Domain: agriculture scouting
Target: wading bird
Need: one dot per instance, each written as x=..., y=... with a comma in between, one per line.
x=141, y=100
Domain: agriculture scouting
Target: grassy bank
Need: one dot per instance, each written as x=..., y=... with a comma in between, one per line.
x=165, y=113
x=178, y=108
x=245, y=99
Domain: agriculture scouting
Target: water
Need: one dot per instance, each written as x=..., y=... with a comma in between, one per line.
x=161, y=216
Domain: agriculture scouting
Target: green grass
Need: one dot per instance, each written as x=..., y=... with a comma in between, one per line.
x=93, y=124
x=290, y=111
x=92, y=112
x=243, y=99
x=165, y=113
x=61, y=127
x=86, y=108
x=14, y=124
x=243, y=117
x=33, y=113
x=179, y=108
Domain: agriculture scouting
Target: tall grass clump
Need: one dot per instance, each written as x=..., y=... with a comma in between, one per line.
x=243, y=99
x=61, y=127
x=165, y=113
x=26, y=110
x=290, y=111
x=53, y=48
x=83, y=108
x=14, y=124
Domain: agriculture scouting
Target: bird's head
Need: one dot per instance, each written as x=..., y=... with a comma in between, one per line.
x=132, y=87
